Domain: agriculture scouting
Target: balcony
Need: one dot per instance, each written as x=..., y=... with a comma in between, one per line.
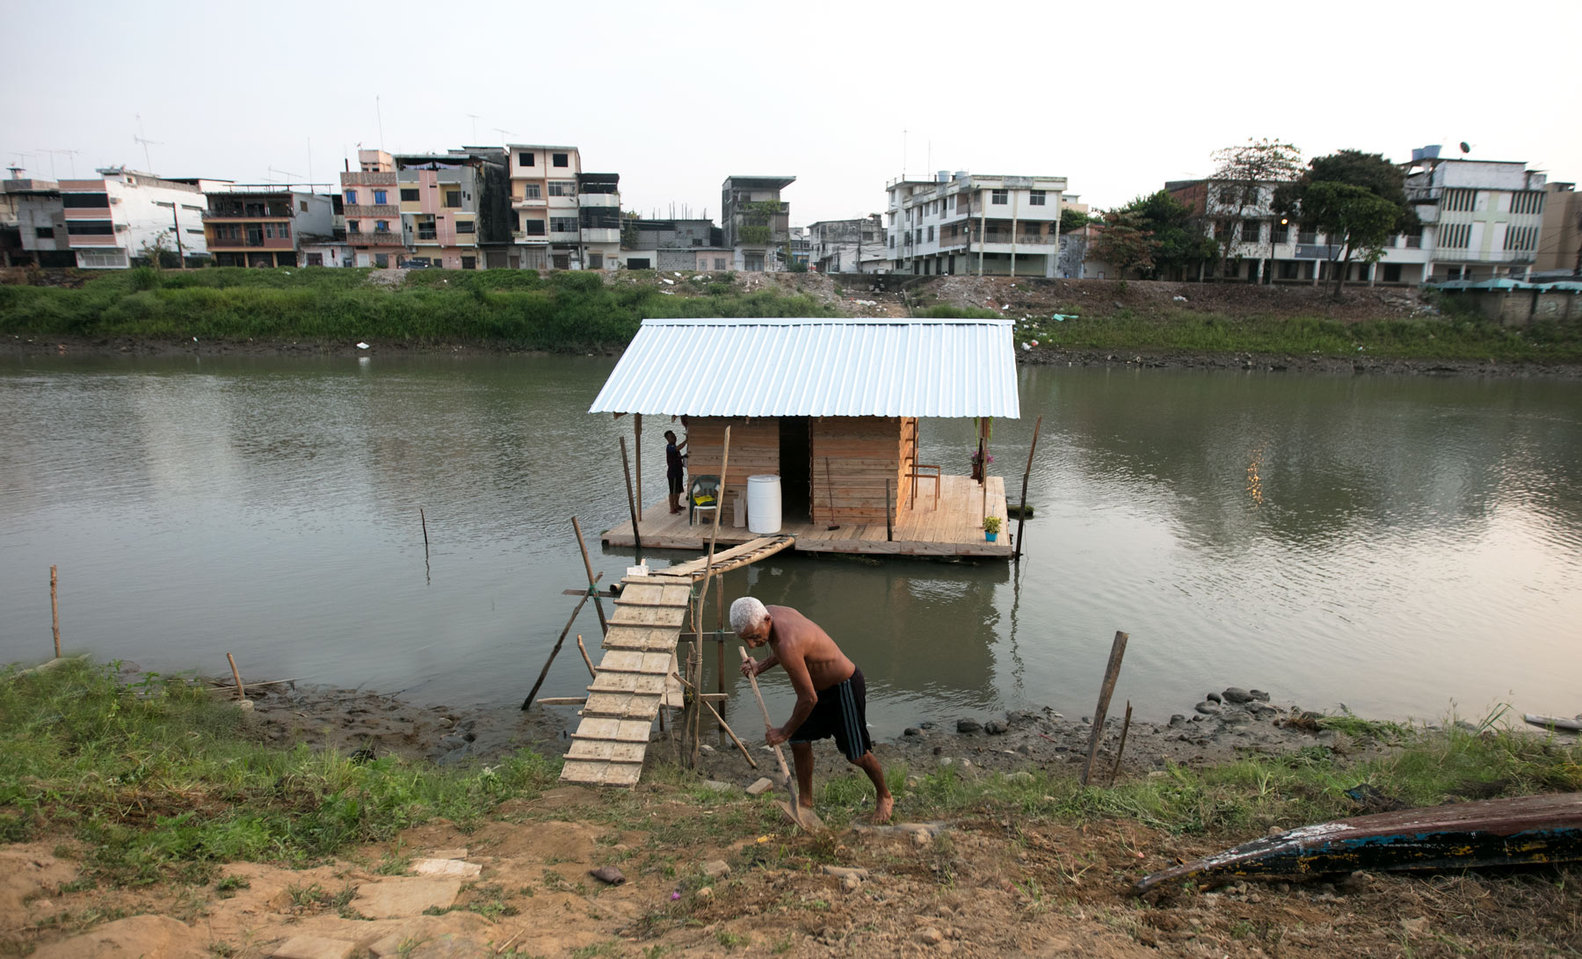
x=217, y=244
x=601, y=235
x=601, y=199
x=368, y=179
x=211, y=215
x=1445, y=255
x=529, y=203
x=376, y=238
x=373, y=210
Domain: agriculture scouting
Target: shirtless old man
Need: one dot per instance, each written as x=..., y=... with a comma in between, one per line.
x=831, y=697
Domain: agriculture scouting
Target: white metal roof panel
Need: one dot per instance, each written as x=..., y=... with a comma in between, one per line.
x=799, y=366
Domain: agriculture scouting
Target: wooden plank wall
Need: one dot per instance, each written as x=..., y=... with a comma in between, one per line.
x=863, y=452
x=755, y=447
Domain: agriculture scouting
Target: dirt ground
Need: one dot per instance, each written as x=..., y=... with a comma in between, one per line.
x=706, y=879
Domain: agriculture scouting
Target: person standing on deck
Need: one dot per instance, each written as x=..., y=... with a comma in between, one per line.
x=673, y=469
x=831, y=695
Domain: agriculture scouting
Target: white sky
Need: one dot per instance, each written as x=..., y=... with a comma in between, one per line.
x=1117, y=97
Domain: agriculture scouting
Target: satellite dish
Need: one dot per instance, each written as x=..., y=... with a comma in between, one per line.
x=1465, y=148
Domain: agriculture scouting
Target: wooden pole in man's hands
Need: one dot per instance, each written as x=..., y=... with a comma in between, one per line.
x=794, y=809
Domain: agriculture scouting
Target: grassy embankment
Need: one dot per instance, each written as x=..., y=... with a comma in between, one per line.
x=512, y=309
x=1451, y=336
x=159, y=781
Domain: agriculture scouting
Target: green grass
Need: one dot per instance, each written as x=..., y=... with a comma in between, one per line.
x=157, y=780
x=508, y=308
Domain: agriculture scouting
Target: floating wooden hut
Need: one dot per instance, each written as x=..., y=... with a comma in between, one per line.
x=830, y=407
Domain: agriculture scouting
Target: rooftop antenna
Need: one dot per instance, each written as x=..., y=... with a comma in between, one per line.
x=286, y=173
x=379, y=113
x=503, y=133
x=71, y=156
x=474, y=126
x=145, y=141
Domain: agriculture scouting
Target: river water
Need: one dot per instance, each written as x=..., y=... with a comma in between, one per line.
x=1409, y=548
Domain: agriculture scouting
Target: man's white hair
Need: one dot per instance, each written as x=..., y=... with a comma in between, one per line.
x=746, y=613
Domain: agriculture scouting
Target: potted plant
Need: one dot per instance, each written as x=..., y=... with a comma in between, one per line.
x=991, y=527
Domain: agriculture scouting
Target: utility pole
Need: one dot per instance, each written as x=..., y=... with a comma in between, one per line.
x=175, y=227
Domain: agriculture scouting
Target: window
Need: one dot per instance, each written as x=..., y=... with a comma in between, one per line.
x=44, y=232
x=409, y=195
x=1035, y=198
x=354, y=226
x=382, y=260
x=1001, y=197
x=562, y=159
x=562, y=188
x=1392, y=272
x=1249, y=231
x=351, y=196
x=1527, y=202
x=1456, y=235
x=1282, y=232
x=92, y=258
x=562, y=224
x=1222, y=231
x=1521, y=238
x=524, y=159
x=595, y=261
x=930, y=234
x=466, y=226
x=531, y=191
x=315, y=259
x=452, y=199
x=469, y=263
x=381, y=226
x=283, y=231
x=719, y=263
x=90, y=228
x=304, y=205
x=86, y=201
x=533, y=227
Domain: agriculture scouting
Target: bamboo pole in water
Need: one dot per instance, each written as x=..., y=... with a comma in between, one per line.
x=236, y=675
x=1111, y=673
x=637, y=456
x=631, y=506
x=1021, y=516
x=604, y=626
x=592, y=673
x=1121, y=749
x=695, y=676
x=545, y=671
x=54, y=607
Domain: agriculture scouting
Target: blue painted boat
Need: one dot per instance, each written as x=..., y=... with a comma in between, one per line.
x=1491, y=832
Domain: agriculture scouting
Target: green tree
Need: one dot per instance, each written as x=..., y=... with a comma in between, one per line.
x=1076, y=220
x=1125, y=243
x=1153, y=234
x=1236, y=191
x=1358, y=199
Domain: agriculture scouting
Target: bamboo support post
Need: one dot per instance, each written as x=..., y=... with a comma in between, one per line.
x=1022, y=513
x=423, y=518
x=1121, y=749
x=54, y=607
x=637, y=456
x=236, y=675
x=889, y=529
x=695, y=729
x=1111, y=673
x=719, y=634
x=631, y=506
x=593, y=581
x=729, y=732
x=592, y=673
x=545, y=671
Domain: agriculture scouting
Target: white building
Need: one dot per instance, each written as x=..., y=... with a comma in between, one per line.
x=111, y=220
x=756, y=222
x=985, y=225
x=1485, y=216
x=847, y=246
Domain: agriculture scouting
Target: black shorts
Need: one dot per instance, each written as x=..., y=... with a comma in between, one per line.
x=675, y=483
x=842, y=712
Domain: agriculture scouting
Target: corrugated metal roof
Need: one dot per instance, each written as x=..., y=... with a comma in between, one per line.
x=796, y=366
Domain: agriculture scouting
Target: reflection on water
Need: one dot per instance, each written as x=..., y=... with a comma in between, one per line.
x=1393, y=544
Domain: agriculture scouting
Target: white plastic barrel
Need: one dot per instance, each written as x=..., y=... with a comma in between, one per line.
x=763, y=503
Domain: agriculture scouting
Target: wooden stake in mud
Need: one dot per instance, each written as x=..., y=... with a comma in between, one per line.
x=545, y=671
x=54, y=607
x=604, y=626
x=1121, y=749
x=1111, y=673
x=1021, y=516
x=236, y=675
x=631, y=506
x=592, y=673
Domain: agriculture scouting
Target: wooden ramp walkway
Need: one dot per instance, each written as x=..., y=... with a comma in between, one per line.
x=636, y=675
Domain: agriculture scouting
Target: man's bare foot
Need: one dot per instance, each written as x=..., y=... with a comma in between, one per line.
x=882, y=810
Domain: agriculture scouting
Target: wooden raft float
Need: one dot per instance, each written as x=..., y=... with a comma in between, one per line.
x=637, y=674
x=1492, y=832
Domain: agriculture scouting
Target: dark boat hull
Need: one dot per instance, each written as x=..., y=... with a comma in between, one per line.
x=1527, y=829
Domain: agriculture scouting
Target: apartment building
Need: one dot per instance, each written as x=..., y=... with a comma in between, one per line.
x=107, y=223
x=847, y=246
x=1560, y=243
x=374, y=228
x=1485, y=217
x=975, y=224
x=265, y=225
x=687, y=244
x=756, y=222
x=562, y=217
x=454, y=207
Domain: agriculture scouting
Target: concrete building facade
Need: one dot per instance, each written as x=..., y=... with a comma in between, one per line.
x=975, y=224
x=756, y=222
x=1482, y=218
x=562, y=217
x=1560, y=242
x=374, y=229
x=265, y=225
x=110, y=221
x=847, y=246
x=453, y=207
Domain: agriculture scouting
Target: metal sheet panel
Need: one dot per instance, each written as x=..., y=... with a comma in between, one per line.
x=794, y=366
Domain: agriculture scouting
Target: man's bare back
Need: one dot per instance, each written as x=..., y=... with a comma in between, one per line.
x=794, y=637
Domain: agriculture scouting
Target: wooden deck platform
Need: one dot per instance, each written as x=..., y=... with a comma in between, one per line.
x=953, y=527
